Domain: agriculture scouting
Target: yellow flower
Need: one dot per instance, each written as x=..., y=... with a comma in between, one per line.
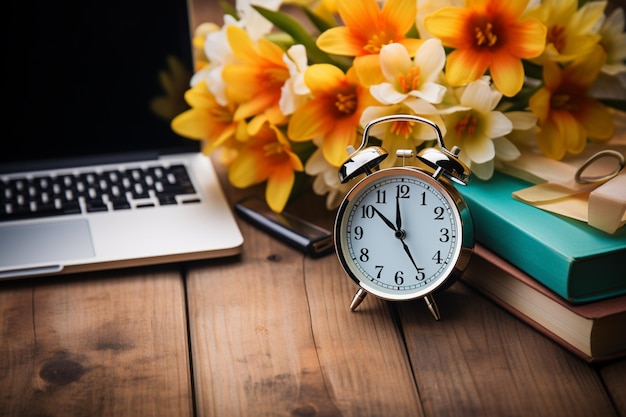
x=488, y=34
x=566, y=114
x=570, y=30
x=267, y=156
x=207, y=120
x=333, y=112
x=256, y=80
x=367, y=29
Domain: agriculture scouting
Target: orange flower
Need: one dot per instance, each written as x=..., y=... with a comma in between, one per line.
x=206, y=120
x=367, y=29
x=567, y=114
x=267, y=156
x=488, y=34
x=334, y=111
x=255, y=82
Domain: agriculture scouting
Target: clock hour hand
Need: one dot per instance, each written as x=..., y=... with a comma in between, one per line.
x=386, y=220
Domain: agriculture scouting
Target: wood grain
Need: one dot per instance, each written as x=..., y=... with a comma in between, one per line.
x=100, y=345
x=479, y=360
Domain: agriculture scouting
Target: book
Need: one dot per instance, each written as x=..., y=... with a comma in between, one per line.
x=593, y=331
x=571, y=258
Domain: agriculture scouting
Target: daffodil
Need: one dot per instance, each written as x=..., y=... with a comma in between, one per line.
x=474, y=128
x=333, y=112
x=566, y=114
x=571, y=31
x=411, y=78
x=207, y=120
x=488, y=35
x=267, y=156
x=256, y=80
x=367, y=29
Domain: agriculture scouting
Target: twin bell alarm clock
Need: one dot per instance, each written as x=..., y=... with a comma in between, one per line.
x=403, y=233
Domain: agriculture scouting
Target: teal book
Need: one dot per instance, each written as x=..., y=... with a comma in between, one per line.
x=576, y=261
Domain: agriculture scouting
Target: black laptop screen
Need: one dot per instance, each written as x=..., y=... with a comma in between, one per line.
x=82, y=77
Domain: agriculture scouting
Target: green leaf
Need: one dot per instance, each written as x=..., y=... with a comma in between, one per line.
x=320, y=24
x=229, y=9
x=299, y=34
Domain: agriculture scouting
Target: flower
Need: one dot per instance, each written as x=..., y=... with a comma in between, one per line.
x=404, y=78
x=333, y=112
x=488, y=34
x=268, y=156
x=367, y=29
x=475, y=125
x=570, y=31
x=567, y=114
x=277, y=96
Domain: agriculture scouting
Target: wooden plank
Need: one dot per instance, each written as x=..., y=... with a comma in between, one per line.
x=479, y=360
x=614, y=377
x=271, y=336
x=95, y=345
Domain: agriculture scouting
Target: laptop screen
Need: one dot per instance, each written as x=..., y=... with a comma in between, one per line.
x=85, y=77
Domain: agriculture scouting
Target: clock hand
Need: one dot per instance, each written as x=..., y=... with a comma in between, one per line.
x=386, y=220
x=408, y=252
x=398, y=216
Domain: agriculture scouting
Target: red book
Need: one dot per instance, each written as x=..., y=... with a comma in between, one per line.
x=595, y=331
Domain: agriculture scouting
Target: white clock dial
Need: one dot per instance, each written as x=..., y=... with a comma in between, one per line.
x=399, y=234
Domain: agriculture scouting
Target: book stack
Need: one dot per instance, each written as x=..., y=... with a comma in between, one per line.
x=563, y=277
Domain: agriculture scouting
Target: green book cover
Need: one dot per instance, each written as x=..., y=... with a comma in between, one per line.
x=573, y=259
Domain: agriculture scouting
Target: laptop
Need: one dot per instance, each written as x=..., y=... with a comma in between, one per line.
x=91, y=175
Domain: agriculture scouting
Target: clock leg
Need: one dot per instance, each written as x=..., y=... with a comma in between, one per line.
x=358, y=297
x=432, y=306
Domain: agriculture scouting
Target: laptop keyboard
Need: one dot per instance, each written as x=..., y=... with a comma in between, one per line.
x=94, y=191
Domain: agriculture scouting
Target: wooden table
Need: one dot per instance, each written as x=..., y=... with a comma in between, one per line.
x=269, y=333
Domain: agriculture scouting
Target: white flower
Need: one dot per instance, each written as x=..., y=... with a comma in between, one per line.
x=475, y=129
x=411, y=78
x=326, y=179
x=255, y=24
x=294, y=92
x=219, y=53
x=614, y=42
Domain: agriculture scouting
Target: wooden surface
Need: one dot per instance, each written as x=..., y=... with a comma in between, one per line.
x=269, y=333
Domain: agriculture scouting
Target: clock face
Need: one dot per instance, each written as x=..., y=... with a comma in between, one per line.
x=399, y=234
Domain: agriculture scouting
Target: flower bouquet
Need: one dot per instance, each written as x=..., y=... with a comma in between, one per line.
x=279, y=96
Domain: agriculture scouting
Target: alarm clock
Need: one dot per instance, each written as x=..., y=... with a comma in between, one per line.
x=403, y=233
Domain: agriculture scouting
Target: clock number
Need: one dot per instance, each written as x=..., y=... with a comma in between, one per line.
x=380, y=270
x=399, y=278
x=420, y=274
x=439, y=213
x=402, y=191
x=445, y=235
x=437, y=257
x=358, y=233
x=381, y=196
x=367, y=212
x=423, y=198
x=364, y=255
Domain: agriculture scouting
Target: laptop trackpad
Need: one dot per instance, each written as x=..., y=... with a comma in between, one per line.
x=45, y=243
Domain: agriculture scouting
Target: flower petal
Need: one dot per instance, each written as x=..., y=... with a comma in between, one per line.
x=394, y=60
x=507, y=72
x=464, y=66
x=279, y=186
